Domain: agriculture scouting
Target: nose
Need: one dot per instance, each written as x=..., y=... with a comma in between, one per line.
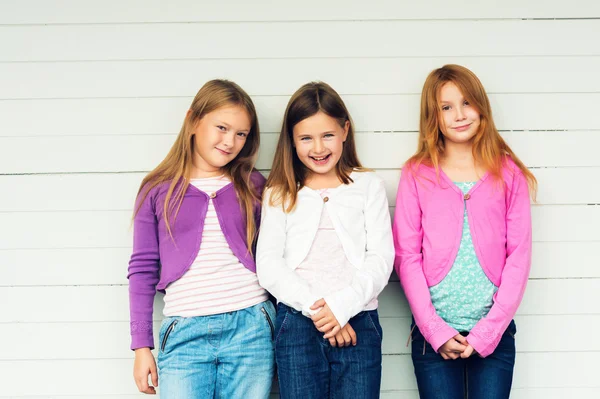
x=318, y=146
x=460, y=114
x=228, y=139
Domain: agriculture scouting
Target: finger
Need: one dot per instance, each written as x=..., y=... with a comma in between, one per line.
x=154, y=375
x=150, y=391
x=318, y=304
x=322, y=322
x=318, y=316
x=328, y=327
x=143, y=384
x=332, y=341
x=352, y=334
x=468, y=352
x=333, y=332
x=453, y=356
x=340, y=339
x=444, y=356
x=461, y=339
x=346, y=336
x=456, y=347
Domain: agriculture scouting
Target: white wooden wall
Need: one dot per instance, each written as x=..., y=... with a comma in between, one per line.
x=93, y=92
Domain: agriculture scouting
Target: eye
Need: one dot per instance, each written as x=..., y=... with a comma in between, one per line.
x=304, y=138
x=466, y=102
x=242, y=134
x=221, y=128
x=329, y=135
x=445, y=107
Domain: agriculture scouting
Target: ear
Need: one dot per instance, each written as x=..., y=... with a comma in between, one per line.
x=346, y=129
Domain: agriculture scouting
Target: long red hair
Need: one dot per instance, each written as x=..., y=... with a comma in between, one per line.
x=489, y=148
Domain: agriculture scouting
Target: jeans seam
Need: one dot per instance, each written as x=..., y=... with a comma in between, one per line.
x=375, y=328
x=281, y=327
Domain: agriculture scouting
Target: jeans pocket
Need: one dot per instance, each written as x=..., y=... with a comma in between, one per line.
x=269, y=321
x=165, y=337
x=374, y=320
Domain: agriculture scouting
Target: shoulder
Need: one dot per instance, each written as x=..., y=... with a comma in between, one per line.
x=366, y=179
x=258, y=180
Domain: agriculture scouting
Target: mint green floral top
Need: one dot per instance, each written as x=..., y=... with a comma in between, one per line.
x=465, y=295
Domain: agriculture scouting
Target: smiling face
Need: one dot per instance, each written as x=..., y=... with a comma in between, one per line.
x=459, y=121
x=319, y=143
x=218, y=138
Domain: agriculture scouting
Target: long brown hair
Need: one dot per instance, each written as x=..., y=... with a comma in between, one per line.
x=288, y=174
x=176, y=168
x=489, y=148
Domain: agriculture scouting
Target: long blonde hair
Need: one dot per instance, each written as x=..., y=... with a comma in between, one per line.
x=489, y=148
x=289, y=174
x=176, y=168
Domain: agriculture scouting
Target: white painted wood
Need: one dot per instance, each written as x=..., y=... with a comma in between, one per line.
x=111, y=339
x=136, y=153
x=140, y=11
x=286, y=40
x=400, y=113
x=110, y=303
x=259, y=77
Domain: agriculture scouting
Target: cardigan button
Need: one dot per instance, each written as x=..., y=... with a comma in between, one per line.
x=213, y=195
x=467, y=196
x=325, y=199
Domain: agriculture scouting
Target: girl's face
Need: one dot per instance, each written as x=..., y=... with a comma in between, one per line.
x=319, y=143
x=459, y=120
x=220, y=136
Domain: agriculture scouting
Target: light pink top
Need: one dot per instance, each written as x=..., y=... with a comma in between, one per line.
x=216, y=282
x=326, y=268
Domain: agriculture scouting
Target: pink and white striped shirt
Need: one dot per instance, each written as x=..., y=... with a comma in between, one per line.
x=216, y=282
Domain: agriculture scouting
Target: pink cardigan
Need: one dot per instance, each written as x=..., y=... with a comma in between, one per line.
x=427, y=233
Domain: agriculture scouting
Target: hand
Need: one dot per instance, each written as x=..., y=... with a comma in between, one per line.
x=143, y=366
x=344, y=337
x=453, y=348
x=324, y=319
x=468, y=352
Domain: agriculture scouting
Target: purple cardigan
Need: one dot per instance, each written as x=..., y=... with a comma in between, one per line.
x=157, y=260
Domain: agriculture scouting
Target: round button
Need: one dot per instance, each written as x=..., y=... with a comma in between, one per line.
x=325, y=199
x=213, y=195
x=467, y=196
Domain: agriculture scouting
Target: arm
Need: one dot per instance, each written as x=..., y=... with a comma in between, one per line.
x=371, y=279
x=408, y=239
x=143, y=274
x=486, y=334
x=273, y=273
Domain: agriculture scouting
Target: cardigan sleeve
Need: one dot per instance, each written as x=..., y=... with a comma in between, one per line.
x=373, y=276
x=143, y=272
x=408, y=240
x=486, y=334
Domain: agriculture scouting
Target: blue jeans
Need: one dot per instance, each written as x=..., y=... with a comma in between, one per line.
x=473, y=378
x=309, y=367
x=228, y=355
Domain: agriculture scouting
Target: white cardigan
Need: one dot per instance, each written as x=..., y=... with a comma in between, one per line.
x=360, y=215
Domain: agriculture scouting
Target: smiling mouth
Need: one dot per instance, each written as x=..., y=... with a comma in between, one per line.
x=222, y=152
x=321, y=160
x=461, y=128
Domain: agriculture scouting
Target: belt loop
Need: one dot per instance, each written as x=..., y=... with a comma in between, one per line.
x=424, y=343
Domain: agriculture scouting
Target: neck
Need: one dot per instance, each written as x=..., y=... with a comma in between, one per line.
x=458, y=153
x=319, y=181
